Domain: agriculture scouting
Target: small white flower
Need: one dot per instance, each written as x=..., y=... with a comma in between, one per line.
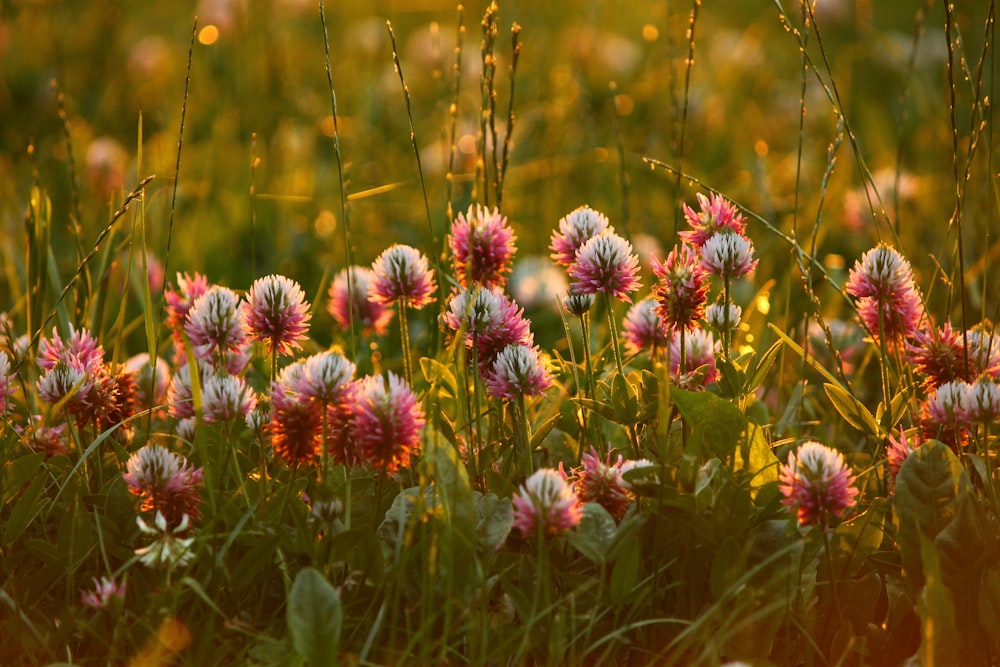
x=723, y=317
x=168, y=550
x=225, y=397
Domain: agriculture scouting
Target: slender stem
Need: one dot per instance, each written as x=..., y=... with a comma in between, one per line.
x=521, y=414
x=347, y=498
x=404, y=330
x=585, y=326
x=726, y=330
x=614, y=332
x=833, y=577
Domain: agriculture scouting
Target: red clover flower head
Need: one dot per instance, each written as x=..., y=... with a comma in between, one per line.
x=165, y=482
x=402, y=274
x=643, y=328
x=601, y=482
x=937, y=355
x=682, y=289
x=105, y=592
x=716, y=215
x=387, y=422
x=728, y=255
x=982, y=402
x=984, y=353
x=817, y=483
x=40, y=437
x=547, y=504
x=324, y=376
x=482, y=245
x=70, y=381
x=226, y=397
x=574, y=230
x=578, y=304
x=276, y=312
x=699, y=369
x=179, y=301
x=371, y=316
x=889, y=301
x=518, y=371
x=7, y=379
x=180, y=393
x=605, y=264
x=476, y=309
x=899, y=450
x=215, y=327
x=149, y=378
x=80, y=347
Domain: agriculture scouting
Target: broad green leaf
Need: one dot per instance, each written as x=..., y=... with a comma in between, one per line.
x=595, y=533
x=494, y=519
x=435, y=373
x=25, y=510
x=314, y=618
x=941, y=643
x=625, y=573
x=930, y=488
x=852, y=410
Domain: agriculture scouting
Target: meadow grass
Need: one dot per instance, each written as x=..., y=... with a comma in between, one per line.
x=499, y=474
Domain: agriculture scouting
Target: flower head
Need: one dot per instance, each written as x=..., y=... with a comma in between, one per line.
x=723, y=317
x=716, y=215
x=482, y=246
x=576, y=229
x=324, y=377
x=7, y=378
x=226, y=397
x=402, y=274
x=682, y=288
x=276, y=312
x=699, y=369
x=578, y=304
x=350, y=298
x=41, y=437
x=151, y=382
x=728, y=254
x=105, y=592
x=643, y=328
x=888, y=301
x=546, y=503
x=168, y=550
x=80, y=347
x=216, y=329
x=296, y=422
x=982, y=404
x=946, y=414
x=817, y=483
x=899, y=450
x=518, y=371
x=605, y=264
x=601, y=482
x=387, y=421
x=165, y=482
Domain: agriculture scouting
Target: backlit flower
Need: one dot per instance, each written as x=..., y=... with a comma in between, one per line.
x=578, y=304
x=984, y=353
x=80, y=347
x=151, y=383
x=601, y=482
x=699, y=369
x=296, y=423
x=982, y=402
x=40, y=437
x=165, y=482
x=518, y=371
x=723, y=317
x=216, y=329
x=547, y=504
x=817, y=483
x=888, y=301
x=105, y=592
x=945, y=414
x=576, y=229
x=387, y=422
x=370, y=315
x=226, y=397
x=729, y=255
x=643, y=328
x=402, y=274
x=324, y=377
x=605, y=265
x=682, y=288
x=276, y=312
x=482, y=246
x=168, y=549
x=716, y=215
x=7, y=379
x=898, y=450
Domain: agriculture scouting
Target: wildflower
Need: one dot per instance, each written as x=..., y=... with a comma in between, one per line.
x=180, y=400
x=728, y=255
x=723, y=317
x=546, y=503
x=185, y=429
x=605, y=264
x=643, y=329
x=982, y=404
x=258, y=418
x=716, y=215
x=276, y=311
x=7, y=378
x=386, y=421
x=639, y=473
x=68, y=381
x=889, y=302
x=937, y=355
x=80, y=347
x=41, y=437
x=324, y=377
x=296, y=423
x=476, y=309
x=105, y=592
x=225, y=397
x=341, y=443
x=482, y=245
x=402, y=274
x=168, y=550
x=682, y=288
x=699, y=369
x=816, y=483
x=179, y=301
x=984, y=353
x=945, y=414
x=578, y=304
x=899, y=450
x=508, y=327
x=371, y=315
x=518, y=371
x=601, y=482
x=216, y=330
x=575, y=229
x=165, y=482
x=151, y=383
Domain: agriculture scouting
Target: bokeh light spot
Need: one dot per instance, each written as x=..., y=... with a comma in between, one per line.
x=208, y=35
x=650, y=33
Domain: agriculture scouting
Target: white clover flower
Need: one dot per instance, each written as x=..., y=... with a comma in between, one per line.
x=723, y=317
x=167, y=550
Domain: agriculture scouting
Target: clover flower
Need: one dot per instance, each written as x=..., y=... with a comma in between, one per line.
x=179, y=304
x=276, y=312
x=508, y=327
x=165, y=482
x=601, y=482
x=984, y=353
x=518, y=371
x=40, y=437
x=324, y=377
x=341, y=443
x=643, y=328
x=387, y=421
x=723, y=317
x=682, y=288
x=180, y=395
x=7, y=379
x=226, y=397
x=402, y=274
x=168, y=550
x=699, y=369
x=149, y=378
x=80, y=347
x=547, y=504
x=937, y=356
x=898, y=451
x=729, y=255
x=888, y=301
x=482, y=246
x=216, y=329
x=351, y=298
x=816, y=483
x=716, y=215
x=945, y=414
x=476, y=309
x=575, y=229
x=578, y=304
x=295, y=426
x=982, y=405
x=106, y=591
x=68, y=381
x=605, y=264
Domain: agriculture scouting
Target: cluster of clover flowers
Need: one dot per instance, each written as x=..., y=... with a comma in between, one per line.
x=316, y=411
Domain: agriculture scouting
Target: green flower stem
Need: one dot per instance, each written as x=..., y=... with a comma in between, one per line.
x=614, y=333
x=524, y=436
x=404, y=331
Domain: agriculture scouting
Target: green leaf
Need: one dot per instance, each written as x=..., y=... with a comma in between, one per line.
x=625, y=573
x=941, y=644
x=855, y=540
x=494, y=519
x=727, y=568
x=25, y=510
x=435, y=373
x=595, y=533
x=930, y=488
x=852, y=410
x=763, y=367
x=314, y=618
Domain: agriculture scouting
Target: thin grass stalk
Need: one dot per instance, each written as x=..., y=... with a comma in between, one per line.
x=688, y=67
x=515, y=32
x=523, y=437
x=486, y=102
x=254, y=162
x=453, y=120
x=76, y=217
x=404, y=332
x=341, y=181
x=623, y=178
x=609, y=306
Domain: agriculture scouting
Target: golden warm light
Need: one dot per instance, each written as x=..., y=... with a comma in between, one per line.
x=208, y=35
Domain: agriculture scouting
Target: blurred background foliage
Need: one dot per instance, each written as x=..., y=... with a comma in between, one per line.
x=732, y=121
